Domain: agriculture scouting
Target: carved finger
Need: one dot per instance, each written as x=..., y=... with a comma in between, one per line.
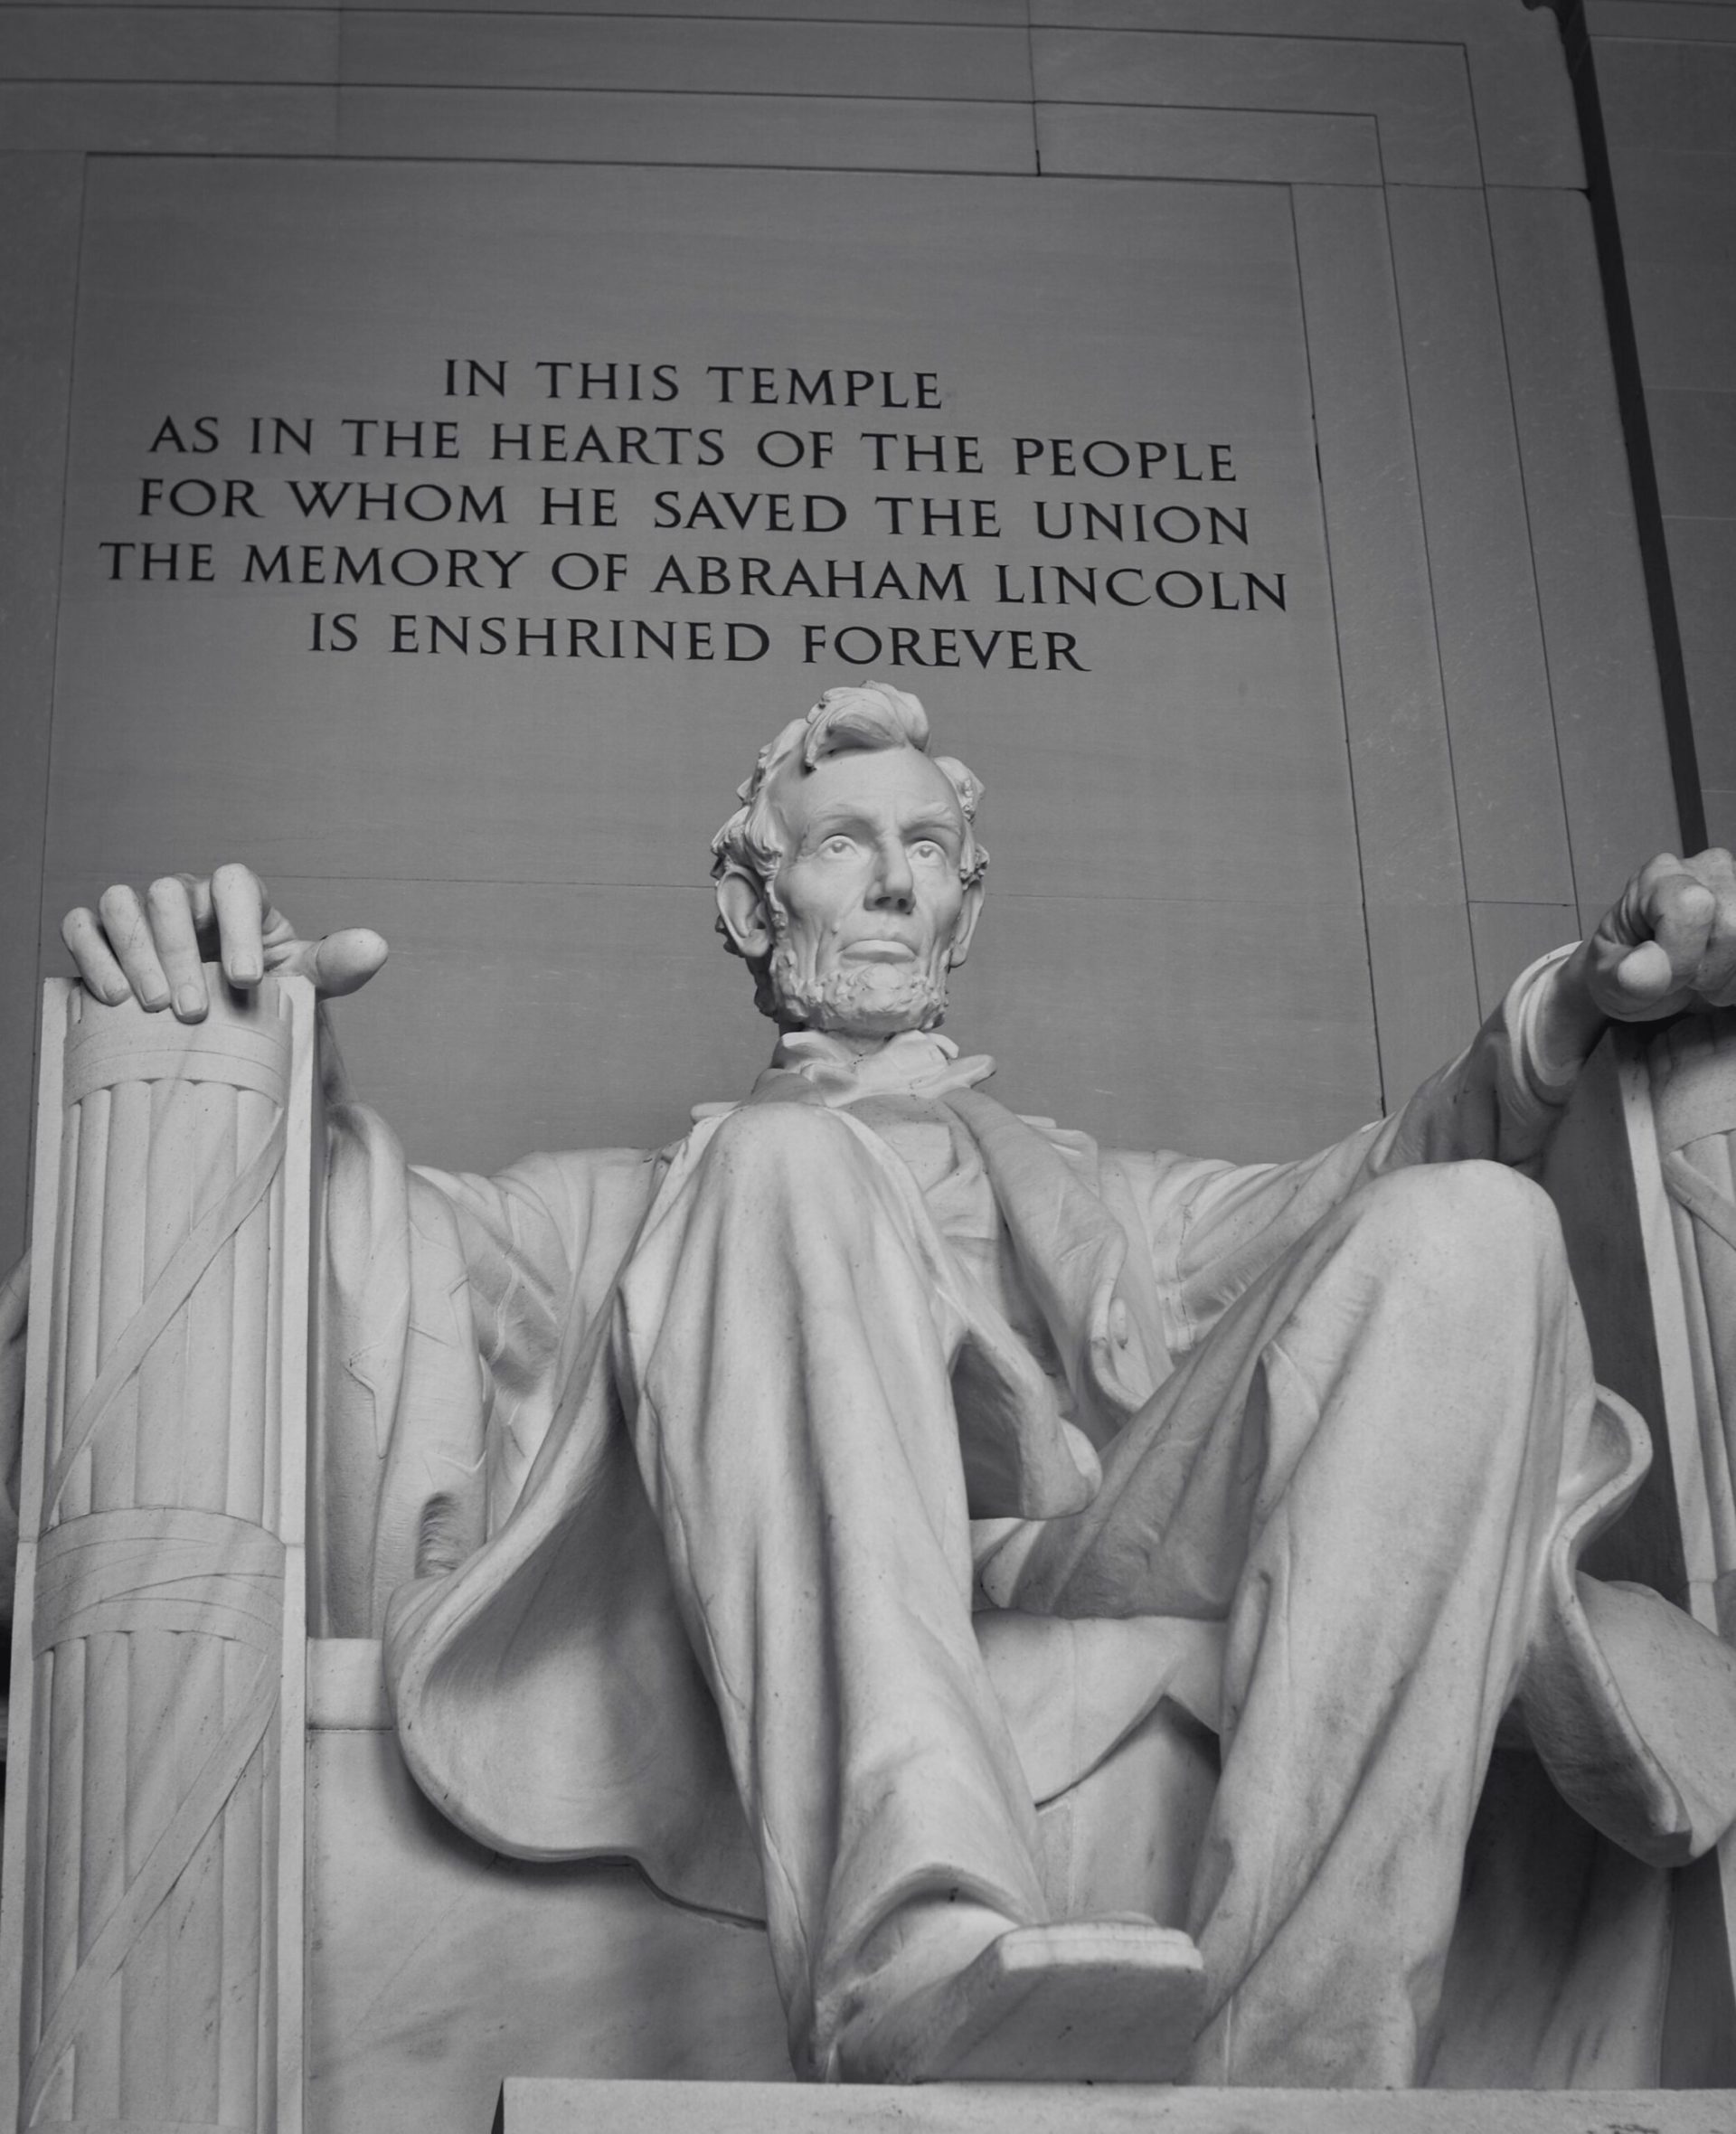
x=204, y=912
x=347, y=960
x=339, y=962
x=275, y=932
x=1636, y=907
x=1645, y=975
x=1716, y=982
x=238, y=896
x=1681, y=913
x=88, y=945
x=170, y=910
x=129, y=935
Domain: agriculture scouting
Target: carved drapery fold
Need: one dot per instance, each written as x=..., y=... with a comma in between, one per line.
x=166, y=1555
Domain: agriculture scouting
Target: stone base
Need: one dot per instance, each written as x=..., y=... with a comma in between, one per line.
x=529, y=2106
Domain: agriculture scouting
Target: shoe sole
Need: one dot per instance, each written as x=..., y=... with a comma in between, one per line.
x=1086, y=2001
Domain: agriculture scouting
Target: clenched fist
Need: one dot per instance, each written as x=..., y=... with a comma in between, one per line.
x=1668, y=942
x=154, y=947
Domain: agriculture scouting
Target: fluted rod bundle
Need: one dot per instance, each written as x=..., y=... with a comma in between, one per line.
x=150, y=1954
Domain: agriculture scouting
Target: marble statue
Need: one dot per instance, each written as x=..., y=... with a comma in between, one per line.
x=718, y=1508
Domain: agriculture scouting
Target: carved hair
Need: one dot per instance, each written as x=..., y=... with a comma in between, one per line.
x=864, y=716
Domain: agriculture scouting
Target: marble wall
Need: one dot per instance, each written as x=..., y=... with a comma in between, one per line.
x=1663, y=79
x=1458, y=748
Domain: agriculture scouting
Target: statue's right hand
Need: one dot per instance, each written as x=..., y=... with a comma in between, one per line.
x=155, y=947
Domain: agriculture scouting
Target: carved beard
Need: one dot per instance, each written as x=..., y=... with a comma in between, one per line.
x=867, y=1000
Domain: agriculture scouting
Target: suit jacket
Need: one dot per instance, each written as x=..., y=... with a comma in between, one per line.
x=483, y=1509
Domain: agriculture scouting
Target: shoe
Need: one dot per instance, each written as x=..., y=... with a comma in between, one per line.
x=1076, y=2001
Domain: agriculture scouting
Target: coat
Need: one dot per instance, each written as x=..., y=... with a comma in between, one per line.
x=482, y=1509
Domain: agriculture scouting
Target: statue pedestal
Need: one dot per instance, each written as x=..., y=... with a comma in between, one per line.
x=532, y=2106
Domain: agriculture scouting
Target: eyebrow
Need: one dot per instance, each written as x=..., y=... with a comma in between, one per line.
x=825, y=819
x=936, y=817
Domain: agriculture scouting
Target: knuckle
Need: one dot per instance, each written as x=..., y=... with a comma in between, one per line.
x=1684, y=897
x=119, y=911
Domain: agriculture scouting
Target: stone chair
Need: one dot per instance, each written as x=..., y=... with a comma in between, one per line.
x=225, y=1904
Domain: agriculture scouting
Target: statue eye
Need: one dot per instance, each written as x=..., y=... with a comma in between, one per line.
x=925, y=848
x=838, y=847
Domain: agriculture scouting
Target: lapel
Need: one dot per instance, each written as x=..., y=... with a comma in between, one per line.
x=1072, y=1252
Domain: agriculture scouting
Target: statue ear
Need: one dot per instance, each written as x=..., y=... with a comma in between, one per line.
x=967, y=926
x=741, y=906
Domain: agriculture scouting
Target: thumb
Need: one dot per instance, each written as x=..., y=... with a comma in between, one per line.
x=340, y=962
x=1644, y=974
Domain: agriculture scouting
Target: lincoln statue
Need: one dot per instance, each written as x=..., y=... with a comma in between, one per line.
x=710, y=1502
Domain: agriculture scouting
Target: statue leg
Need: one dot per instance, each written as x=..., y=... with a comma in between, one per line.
x=790, y=1357
x=1359, y=1468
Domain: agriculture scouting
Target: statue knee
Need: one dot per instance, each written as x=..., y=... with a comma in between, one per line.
x=1468, y=1234
x=1460, y=1272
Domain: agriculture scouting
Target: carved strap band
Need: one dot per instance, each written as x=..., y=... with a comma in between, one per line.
x=172, y=1569
x=1700, y=1197
x=160, y=1569
x=100, y=1053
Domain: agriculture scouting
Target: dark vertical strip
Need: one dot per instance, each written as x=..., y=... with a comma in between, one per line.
x=1630, y=391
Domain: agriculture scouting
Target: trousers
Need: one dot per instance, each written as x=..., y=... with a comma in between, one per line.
x=1358, y=1470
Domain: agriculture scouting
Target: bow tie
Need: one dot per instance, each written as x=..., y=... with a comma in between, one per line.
x=913, y=1063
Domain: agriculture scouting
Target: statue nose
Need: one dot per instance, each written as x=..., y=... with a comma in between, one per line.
x=894, y=882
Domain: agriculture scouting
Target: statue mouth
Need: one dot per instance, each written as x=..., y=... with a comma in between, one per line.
x=880, y=951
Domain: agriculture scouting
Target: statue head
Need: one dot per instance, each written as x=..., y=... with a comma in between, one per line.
x=850, y=878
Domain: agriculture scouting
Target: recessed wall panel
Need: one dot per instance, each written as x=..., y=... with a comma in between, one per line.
x=475, y=526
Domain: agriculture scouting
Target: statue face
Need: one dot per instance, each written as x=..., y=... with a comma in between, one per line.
x=873, y=913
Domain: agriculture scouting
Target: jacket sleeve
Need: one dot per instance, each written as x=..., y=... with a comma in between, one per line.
x=446, y=1301
x=1216, y=1227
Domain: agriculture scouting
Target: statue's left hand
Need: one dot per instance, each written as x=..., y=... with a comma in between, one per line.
x=1668, y=942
